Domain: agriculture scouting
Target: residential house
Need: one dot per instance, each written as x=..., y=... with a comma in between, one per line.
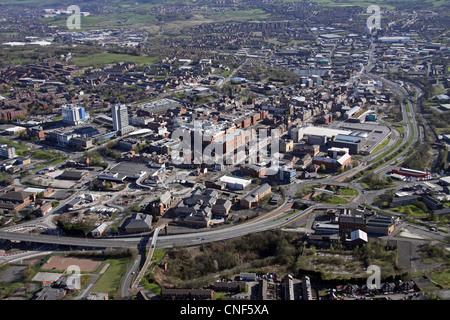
x=222, y=208
x=388, y=287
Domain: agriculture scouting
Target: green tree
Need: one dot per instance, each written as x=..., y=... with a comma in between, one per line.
x=408, y=211
x=114, y=229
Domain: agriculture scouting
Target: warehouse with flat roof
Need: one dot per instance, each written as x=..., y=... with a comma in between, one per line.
x=235, y=183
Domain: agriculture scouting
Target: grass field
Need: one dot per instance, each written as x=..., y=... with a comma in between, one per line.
x=330, y=200
x=110, y=280
x=21, y=150
x=416, y=212
x=381, y=145
x=347, y=3
x=348, y=192
x=101, y=59
x=387, y=4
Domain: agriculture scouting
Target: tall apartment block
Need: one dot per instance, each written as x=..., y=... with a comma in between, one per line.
x=7, y=152
x=119, y=114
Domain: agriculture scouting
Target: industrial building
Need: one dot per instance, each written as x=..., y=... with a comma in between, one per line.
x=97, y=232
x=357, y=137
x=235, y=183
x=411, y=173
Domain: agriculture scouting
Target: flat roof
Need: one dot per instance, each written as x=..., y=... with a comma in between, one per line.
x=322, y=131
x=231, y=179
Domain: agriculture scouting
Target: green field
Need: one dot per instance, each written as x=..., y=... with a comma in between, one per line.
x=415, y=211
x=21, y=150
x=330, y=3
x=387, y=4
x=348, y=192
x=381, y=145
x=330, y=199
x=100, y=59
x=122, y=20
x=110, y=280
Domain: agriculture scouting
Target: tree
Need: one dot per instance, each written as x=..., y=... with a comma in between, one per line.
x=422, y=206
x=114, y=229
x=408, y=211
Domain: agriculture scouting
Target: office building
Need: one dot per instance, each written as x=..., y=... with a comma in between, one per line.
x=287, y=175
x=73, y=114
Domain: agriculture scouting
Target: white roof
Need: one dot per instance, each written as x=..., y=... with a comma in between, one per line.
x=230, y=179
x=344, y=158
x=35, y=190
x=358, y=234
x=101, y=227
x=445, y=179
x=141, y=131
x=322, y=131
x=15, y=128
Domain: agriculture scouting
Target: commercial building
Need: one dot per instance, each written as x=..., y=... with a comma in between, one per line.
x=36, y=131
x=119, y=114
x=432, y=203
x=326, y=228
x=445, y=181
x=76, y=175
x=411, y=172
x=73, y=115
x=286, y=145
x=253, y=170
x=358, y=237
x=350, y=223
x=320, y=135
x=97, y=232
x=352, y=142
x=302, y=148
x=15, y=130
x=350, y=113
x=404, y=200
x=16, y=200
x=287, y=175
x=235, y=183
x=253, y=198
x=337, y=158
x=138, y=222
x=380, y=224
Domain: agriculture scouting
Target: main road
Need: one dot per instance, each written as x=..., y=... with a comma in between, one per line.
x=271, y=220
